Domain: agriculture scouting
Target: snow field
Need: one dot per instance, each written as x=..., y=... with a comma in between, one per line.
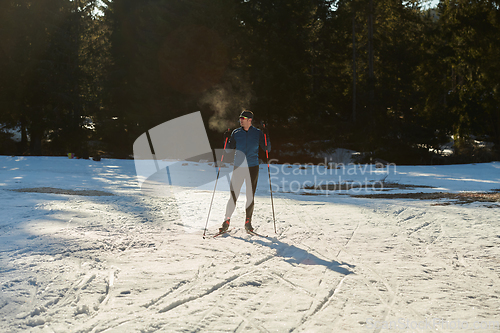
x=132, y=263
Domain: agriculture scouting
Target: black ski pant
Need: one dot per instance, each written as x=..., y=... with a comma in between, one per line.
x=249, y=175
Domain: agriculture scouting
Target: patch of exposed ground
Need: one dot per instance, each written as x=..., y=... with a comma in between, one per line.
x=370, y=185
x=455, y=198
x=460, y=198
x=63, y=191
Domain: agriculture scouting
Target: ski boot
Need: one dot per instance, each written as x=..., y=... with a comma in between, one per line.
x=225, y=226
x=248, y=225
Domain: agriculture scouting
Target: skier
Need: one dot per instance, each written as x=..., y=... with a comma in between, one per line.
x=246, y=141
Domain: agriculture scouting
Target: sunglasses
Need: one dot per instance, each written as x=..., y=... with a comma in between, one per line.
x=242, y=118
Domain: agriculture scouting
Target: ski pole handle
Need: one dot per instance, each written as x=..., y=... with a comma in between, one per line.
x=264, y=130
x=227, y=133
x=225, y=144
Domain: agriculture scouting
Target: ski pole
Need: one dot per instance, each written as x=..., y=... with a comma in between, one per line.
x=216, y=180
x=269, y=173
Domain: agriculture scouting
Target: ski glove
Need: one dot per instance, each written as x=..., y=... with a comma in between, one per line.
x=264, y=128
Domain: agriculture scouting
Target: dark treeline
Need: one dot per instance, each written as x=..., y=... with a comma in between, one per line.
x=391, y=77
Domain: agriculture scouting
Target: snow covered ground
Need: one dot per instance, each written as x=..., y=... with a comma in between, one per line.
x=87, y=251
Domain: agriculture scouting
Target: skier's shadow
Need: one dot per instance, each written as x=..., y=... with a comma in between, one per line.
x=295, y=255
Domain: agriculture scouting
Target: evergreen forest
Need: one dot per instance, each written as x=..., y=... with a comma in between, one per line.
x=397, y=80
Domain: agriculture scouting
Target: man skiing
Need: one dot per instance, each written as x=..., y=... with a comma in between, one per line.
x=246, y=140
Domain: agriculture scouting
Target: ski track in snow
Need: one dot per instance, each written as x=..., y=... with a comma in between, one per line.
x=125, y=263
